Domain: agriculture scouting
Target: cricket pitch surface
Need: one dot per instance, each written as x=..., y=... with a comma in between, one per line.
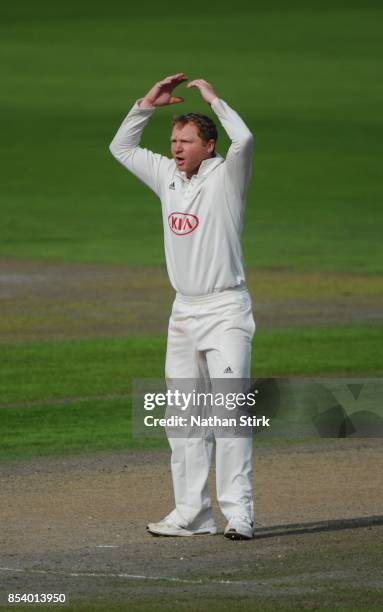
x=77, y=525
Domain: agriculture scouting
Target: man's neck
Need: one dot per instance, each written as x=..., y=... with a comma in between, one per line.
x=189, y=175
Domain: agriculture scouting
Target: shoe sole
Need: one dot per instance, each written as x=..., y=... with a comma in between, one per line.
x=179, y=535
x=234, y=535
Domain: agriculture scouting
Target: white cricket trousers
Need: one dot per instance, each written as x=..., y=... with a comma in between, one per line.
x=209, y=338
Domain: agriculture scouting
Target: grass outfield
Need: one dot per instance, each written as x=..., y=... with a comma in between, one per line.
x=304, y=78
x=80, y=389
x=40, y=371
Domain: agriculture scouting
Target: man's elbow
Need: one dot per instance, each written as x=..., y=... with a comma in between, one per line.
x=246, y=142
x=120, y=152
x=114, y=149
x=248, y=139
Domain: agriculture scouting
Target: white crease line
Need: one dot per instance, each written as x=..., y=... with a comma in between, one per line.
x=129, y=576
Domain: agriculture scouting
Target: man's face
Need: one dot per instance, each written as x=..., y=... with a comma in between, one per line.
x=188, y=148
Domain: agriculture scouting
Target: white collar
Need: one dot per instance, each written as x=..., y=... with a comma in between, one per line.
x=207, y=165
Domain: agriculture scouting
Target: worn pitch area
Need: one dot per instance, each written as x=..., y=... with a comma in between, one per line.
x=43, y=300
x=77, y=525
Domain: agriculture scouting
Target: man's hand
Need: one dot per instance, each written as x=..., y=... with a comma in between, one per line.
x=161, y=92
x=207, y=91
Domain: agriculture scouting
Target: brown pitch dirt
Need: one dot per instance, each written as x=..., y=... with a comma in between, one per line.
x=42, y=300
x=77, y=525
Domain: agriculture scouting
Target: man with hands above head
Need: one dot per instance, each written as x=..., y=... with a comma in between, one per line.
x=211, y=324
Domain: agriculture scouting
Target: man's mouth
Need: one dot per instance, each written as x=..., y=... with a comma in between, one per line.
x=179, y=159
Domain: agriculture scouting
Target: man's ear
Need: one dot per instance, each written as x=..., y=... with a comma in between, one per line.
x=210, y=146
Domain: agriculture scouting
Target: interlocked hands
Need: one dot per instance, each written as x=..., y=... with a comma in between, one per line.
x=161, y=94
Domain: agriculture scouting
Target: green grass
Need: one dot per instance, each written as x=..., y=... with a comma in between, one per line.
x=75, y=428
x=78, y=368
x=303, y=76
x=73, y=384
x=95, y=367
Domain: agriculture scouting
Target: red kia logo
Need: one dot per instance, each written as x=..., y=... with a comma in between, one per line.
x=182, y=223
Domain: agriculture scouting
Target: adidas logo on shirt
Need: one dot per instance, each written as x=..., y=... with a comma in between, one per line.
x=228, y=370
x=172, y=185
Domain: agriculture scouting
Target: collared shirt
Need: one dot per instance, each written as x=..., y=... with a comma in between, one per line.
x=202, y=216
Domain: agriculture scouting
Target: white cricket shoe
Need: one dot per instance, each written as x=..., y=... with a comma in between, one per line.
x=239, y=528
x=167, y=527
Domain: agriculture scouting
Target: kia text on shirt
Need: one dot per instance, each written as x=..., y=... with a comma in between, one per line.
x=203, y=216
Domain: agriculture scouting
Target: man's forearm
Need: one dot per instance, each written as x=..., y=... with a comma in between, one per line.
x=129, y=133
x=232, y=123
x=143, y=103
x=240, y=153
x=144, y=164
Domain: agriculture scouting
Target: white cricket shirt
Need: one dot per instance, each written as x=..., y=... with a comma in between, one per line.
x=203, y=216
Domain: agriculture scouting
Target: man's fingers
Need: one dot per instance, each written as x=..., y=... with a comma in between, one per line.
x=176, y=76
x=175, y=100
x=192, y=84
x=181, y=76
x=197, y=83
x=171, y=82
